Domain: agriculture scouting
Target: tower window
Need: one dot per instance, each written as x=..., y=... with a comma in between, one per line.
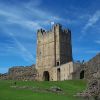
x=57, y=63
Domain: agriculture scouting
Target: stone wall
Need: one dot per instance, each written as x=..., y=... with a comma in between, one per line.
x=22, y=73
x=4, y=76
x=66, y=71
x=79, y=70
x=58, y=73
x=93, y=66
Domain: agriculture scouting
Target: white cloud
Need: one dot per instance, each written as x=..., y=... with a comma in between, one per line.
x=20, y=20
x=34, y=3
x=93, y=51
x=97, y=41
x=27, y=56
x=31, y=25
x=26, y=19
x=7, y=14
x=93, y=19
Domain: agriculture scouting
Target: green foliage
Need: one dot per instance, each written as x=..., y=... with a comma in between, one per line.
x=70, y=87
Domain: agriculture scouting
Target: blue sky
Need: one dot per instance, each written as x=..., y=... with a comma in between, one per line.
x=20, y=19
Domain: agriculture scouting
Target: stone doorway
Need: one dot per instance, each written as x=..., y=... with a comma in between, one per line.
x=46, y=76
x=58, y=74
x=82, y=74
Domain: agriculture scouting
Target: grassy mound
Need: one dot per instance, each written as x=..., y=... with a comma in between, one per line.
x=70, y=87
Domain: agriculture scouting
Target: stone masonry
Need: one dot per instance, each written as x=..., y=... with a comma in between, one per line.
x=22, y=73
x=54, y=49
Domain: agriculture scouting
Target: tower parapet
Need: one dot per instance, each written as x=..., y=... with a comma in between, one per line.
x=40, y=32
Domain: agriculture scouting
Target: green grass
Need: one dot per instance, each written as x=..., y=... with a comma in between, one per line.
x=70, y=87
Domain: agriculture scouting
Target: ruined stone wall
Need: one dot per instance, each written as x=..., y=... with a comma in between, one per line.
x=4, y=76
x=78, y=69
x=22, y=73
x=93, y=66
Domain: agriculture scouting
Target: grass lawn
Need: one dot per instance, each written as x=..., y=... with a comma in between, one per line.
x=70, y=87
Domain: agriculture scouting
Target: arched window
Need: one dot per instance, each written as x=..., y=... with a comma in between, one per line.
x=57, y=63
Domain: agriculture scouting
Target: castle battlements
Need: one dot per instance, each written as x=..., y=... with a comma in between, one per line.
x=56, y=27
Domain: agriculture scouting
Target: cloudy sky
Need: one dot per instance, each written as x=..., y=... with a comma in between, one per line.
x=20, y=19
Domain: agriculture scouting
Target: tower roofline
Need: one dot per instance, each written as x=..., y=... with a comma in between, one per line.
x=56, y=25
x=41, y=30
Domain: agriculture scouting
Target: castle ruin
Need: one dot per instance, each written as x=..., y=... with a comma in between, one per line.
x=54, y=61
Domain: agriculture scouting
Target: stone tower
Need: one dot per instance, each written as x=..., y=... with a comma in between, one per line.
x=53, y=49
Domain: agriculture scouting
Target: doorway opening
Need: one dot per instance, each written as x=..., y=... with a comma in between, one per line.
x=82, y=74
x=46, y=76
x=58, y=74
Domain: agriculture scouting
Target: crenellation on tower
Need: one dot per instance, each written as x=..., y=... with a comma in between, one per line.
x=41, y=31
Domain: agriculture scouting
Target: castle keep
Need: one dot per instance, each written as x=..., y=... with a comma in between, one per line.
x=54, y=54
